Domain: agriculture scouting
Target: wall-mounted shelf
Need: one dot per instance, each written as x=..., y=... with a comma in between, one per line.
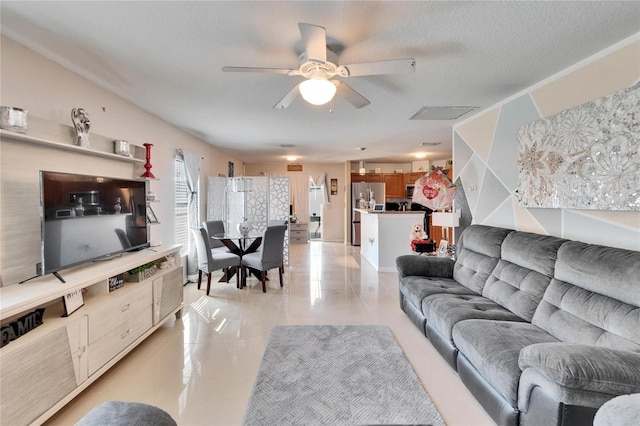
x=67, y=147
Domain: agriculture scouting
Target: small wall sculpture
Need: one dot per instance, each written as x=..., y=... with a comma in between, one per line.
x=82, y=124
x=583, y=158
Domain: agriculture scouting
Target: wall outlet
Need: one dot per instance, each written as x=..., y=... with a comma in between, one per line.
x=39, y=268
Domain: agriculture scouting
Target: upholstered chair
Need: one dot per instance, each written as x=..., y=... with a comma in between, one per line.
x=209, y=261
x=269, y=256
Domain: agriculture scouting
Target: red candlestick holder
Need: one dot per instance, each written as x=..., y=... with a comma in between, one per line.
x=147, y=165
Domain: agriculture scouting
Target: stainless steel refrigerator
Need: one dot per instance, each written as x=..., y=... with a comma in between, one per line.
x=366, y=190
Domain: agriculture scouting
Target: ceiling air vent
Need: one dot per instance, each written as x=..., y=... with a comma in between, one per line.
x=442, y=112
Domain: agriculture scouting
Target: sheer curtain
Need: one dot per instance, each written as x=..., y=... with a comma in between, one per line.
x=192, y=164
x=322, y=181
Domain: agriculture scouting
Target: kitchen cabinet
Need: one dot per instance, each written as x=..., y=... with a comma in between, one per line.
x=411, y=178
x=367, y=177
x=394, y=185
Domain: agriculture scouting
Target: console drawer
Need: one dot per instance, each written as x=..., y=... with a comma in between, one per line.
x=112, y=343
x=122, y=307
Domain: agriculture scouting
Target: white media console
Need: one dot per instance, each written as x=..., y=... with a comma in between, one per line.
x=44, y=369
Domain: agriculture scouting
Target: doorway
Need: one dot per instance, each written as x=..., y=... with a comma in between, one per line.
x=316, y=201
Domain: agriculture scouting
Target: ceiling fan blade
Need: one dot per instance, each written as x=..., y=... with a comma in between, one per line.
x=394, y=66
x=348, y=94
x=254, y=69
x=288, y=98
x=314, y=39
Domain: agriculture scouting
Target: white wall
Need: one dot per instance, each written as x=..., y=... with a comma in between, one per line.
x=49, y=91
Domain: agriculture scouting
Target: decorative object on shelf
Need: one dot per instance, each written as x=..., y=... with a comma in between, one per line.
x=583, y=158
x=21, y=326
x=116, y=282
x=142, y=272
x=72, y=302
x=417, y=232
x=151, y=215
x=423, y=246
x=244, y=227
x=442, y=248
x=117, y=207
x=121, y=147
x=82, y=124
x=231, y=167
x=147, y=165
x=151, y=196
x=79, y=209
x=14, y=119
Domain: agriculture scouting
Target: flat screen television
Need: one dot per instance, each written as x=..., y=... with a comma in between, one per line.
x=87, y=218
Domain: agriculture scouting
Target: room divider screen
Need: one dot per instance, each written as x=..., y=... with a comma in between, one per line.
x=267, y=200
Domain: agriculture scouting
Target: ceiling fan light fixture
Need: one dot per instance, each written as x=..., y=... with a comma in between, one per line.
x=317, y=91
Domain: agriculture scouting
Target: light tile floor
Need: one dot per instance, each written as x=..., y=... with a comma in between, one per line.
x=201, y=368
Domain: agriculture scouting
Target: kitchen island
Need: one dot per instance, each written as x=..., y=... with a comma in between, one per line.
x=385, y=236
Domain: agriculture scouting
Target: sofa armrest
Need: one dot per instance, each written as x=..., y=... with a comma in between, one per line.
x=426, y=266
x=584, y=367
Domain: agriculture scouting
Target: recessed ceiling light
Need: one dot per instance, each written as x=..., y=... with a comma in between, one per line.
x=420, y=155
x=291, y=158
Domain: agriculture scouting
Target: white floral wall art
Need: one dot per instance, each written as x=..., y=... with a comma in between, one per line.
x=583, y=158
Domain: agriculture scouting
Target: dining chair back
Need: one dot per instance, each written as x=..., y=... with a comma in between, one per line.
x=214, y=227
x=269, y=256
x=274, y=222
x=209, y=261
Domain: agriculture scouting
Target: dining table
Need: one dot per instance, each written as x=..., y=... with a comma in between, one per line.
x=246, y=243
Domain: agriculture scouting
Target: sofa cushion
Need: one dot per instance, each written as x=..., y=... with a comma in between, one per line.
x=478, y=253
x=594, y=297
x=416, y=288
x=493, y=348
x=585, y=367
x=443, y=311
x=523, y=273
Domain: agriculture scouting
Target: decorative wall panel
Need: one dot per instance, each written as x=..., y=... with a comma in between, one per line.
x=583, y=158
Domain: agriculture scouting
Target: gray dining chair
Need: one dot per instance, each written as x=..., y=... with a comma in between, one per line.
x=209, y=261
x=269, y=256
x=215, y=227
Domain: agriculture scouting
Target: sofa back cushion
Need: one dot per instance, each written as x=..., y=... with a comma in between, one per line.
x=594, y=297
x=477, y=254
x=523, y=273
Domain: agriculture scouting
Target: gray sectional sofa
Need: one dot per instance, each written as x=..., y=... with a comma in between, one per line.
x=542, y=330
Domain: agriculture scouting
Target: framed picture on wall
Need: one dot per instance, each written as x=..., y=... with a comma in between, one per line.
x=230, y=169
x=334, y=186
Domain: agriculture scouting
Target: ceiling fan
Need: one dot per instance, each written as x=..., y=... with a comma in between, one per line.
x=318, y=64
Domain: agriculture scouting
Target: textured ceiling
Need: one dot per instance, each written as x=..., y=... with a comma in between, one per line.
x=166, y=57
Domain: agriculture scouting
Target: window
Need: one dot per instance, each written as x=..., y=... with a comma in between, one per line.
x=182, y=206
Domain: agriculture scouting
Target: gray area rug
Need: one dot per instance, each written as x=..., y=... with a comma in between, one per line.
x=337, y=375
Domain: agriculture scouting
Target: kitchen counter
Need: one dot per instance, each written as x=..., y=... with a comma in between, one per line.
x=385, y=236
x=410, y=212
